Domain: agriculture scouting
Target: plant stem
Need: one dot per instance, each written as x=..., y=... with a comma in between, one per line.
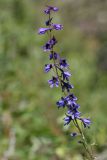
x=84, y=142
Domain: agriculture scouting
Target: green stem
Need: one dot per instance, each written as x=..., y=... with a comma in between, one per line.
x=84, y=142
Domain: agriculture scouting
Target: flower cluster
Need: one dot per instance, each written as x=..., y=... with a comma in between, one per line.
x=61, y=75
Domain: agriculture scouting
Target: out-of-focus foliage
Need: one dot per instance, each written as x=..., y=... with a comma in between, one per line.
x=31, y=126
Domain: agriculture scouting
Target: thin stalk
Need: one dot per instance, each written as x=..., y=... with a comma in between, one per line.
x=84, y=142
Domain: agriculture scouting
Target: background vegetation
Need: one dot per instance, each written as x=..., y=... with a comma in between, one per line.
x=31, y=126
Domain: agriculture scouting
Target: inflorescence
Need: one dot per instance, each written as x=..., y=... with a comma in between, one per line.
x=61, y=76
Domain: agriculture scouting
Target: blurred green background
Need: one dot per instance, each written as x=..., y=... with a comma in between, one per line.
x=31, y=126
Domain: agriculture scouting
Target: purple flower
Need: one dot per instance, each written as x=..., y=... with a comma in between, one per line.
x=66, y=75
x=53, y=56
x=66, y=86
x=53, y=82
x=48, y=67
x=86, y=122
x=74, y=134
x=43, y=30
x=72, y=104
x=48, y=22
x=62, y=102
x=75, y=105
x=50, y=8
x=69, y=103
x=53, y=41
x=71, y=97
x=75, y=114
x=67, y=120
x=49, y=45
x=63, y=63
x=57, y=26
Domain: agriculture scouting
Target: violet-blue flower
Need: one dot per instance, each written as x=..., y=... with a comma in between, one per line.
x=72, y=104
x=43, y=30
x=86, y=122
x=66, y=75
x=50, y=8
x=53, y=82
x=53, y=55
x=53, y=41
x=71, y=97
x=74, y=134
x=63, y=63
x=49, y=45
x=67, y=120
x=66, y=86
x=48, y=22
x=74, y=113
x=48, y=67
x=57, y=26
x=61, y=103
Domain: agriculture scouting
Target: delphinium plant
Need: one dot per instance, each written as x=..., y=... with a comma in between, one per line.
x=60, y=78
